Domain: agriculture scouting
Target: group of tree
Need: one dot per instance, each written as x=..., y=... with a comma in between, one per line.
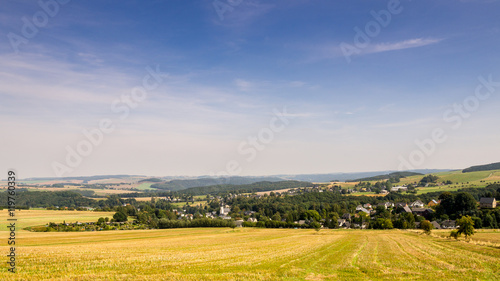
x=429, y=179
x=182, y=184
x=244, y=188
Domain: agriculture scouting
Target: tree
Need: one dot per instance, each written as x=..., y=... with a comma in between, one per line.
x=120, y=217
x=447, y=203
x=428, y=179
x=489, y=221
x=276, y=217
x=464, y=203
x=478, y=222
x=465, y=226
x=426, y=226
x=261, y=224
x=316, y=226
x=388, y=185
x=382, y=223
x=405, y=221
x=313, y=214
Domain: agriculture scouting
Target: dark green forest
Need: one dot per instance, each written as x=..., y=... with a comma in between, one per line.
x=487, y=167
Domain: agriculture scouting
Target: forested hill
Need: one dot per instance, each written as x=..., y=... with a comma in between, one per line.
x=246, y=188
x=487, y=167
x=176, y=185
x=387, y=176
x=67, y=198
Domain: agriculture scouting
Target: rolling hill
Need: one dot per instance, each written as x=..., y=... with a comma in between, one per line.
x=388, y=176
x=487, y=167
x=246, y=188
x=177, y=185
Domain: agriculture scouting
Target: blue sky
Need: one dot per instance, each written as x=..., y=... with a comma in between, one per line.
x=224, y=74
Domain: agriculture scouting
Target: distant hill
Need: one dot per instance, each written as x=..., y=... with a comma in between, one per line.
x=245, y=188
x=84, y=178
x=487, y=167
x=177, y=185
x=151, y=180
x=350, y=176
x=388, y=176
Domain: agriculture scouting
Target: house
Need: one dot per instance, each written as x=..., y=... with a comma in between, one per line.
x=363, y=225
x=386, y=205
x=449, y=224
x=433, y=202
x=397, y=188
x=422, y=211
x=249, y=213
x=367, y=206
x=487, y=202
x=435, y=224
x=239, y=223
x=343, y=223
x=347, y=216
x=406, y=209
x=361, y=209
x=401, y=204
x=224, y=210
x=301, y=222
x=252, y=220
x=382, y=205
x=417, y=204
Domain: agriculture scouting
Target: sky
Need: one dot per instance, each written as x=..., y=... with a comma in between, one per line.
x=247, y=87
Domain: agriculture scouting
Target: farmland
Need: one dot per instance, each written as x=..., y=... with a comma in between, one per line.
x=27, y=218
x=251, y=254
x=459, y=180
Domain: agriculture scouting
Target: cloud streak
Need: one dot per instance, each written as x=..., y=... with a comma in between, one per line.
x=331, y=50
x=401, y=45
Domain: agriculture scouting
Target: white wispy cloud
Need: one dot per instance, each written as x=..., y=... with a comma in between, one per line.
x=331, y=50
x=243, y=85
x=401, y=45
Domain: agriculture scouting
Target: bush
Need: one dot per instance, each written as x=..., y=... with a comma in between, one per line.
x=426, y=226
x=454, y=234
x=261, y=224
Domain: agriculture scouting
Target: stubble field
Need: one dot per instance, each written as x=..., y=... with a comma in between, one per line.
x=250, y=254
